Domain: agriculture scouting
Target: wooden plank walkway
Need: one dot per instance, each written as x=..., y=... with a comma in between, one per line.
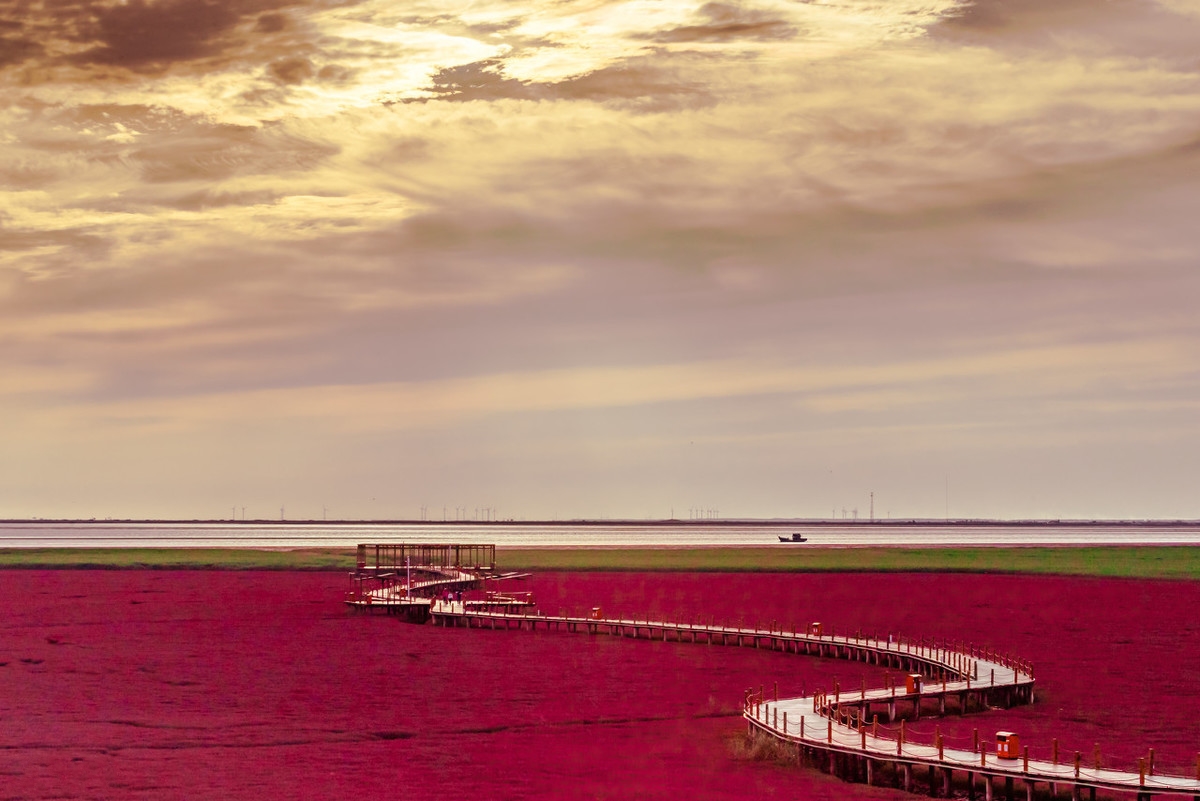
x=840, y=728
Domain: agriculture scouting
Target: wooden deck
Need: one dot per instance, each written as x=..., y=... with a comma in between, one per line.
x=840, y=728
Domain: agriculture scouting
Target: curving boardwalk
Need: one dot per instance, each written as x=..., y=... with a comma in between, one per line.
x=840, y=729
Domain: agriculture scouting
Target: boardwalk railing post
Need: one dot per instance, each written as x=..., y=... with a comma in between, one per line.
x=1078, y=761
x=801, y=727
x=1096, y=755
x=1150, y=762
x=1055, y=750
x=1141, y=771
x=1025, y=766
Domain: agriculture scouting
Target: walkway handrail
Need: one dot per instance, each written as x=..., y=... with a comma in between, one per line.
x=816, y=720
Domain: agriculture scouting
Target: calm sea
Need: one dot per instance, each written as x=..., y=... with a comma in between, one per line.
x=629, y=534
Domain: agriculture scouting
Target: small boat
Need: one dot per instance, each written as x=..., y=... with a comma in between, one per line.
x=797, y=537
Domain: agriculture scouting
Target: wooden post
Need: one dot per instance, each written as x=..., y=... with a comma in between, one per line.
x=775, y=724
x=1150, y=762
x=801, y=727
x=1026, y=759
x=776, y=692
x=1096, y=755
x=875, y=726
x=1078, y=759
x=785, y=721
x=829, y=734
x=982, y=756
x=1141, y=771
x=863, y=735
x=1055, y=750
x=941, y=753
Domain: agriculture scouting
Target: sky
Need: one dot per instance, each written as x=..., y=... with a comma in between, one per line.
x=602, y=259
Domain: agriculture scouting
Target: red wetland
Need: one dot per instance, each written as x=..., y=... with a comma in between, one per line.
x=260, y=685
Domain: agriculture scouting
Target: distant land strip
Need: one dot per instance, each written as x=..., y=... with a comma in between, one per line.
x=722, y=522
x=1139, y=561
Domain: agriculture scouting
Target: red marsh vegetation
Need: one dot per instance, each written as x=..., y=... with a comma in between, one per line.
x=161, y=684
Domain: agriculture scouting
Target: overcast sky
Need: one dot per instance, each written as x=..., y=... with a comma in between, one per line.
x=580, y=258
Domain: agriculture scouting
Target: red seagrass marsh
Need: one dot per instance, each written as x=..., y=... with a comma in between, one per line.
x=160, y=684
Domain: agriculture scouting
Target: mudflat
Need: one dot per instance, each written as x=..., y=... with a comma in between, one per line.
x=252, y=684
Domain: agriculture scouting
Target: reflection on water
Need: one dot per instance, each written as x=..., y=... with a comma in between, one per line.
x=280, y=535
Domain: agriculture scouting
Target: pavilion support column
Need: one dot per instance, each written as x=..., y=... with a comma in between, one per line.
x=971, y=785
x=907, y=770
x=987, y=787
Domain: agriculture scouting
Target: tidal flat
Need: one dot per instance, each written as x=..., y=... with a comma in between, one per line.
x=248, y=683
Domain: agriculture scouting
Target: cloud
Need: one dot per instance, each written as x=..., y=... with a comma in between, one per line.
x=337, y=211
x=726, y=22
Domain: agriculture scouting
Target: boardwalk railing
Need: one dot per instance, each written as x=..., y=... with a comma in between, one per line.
x=842, y=726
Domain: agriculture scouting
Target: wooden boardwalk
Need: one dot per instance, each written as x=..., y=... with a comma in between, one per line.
x=840, y=728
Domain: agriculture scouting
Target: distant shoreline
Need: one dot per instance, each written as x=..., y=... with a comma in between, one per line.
x=619, y=523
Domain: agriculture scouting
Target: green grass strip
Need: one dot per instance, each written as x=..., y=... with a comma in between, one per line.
x=180, y=558
x=1132, y=561
x=1179, y=562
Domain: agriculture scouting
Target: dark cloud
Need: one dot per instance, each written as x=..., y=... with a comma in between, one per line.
x=139, y=34
x=15, y=50
x=23, y=175
x=112, y=40
x=79, y=240
x=271, y=23
x=292, y=70
x=635, y=82
x=724, y=22
x=1128, y=27
x=1000, y=16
